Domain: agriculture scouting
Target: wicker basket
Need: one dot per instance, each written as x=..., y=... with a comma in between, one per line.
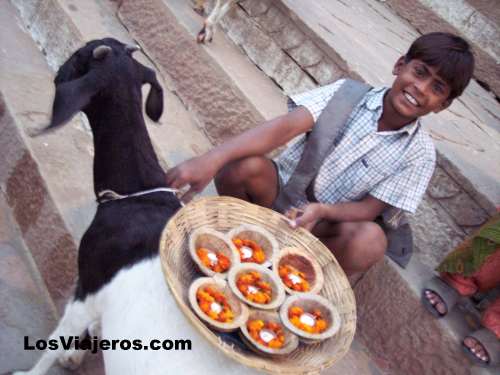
x=223, y=214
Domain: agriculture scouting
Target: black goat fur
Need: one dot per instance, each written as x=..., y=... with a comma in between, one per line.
x=108, y=90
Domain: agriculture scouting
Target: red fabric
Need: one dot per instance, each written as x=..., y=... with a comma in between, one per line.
x=486, y=278
x=491, y=318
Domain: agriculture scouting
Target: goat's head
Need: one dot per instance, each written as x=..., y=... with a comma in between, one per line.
x=100, y=69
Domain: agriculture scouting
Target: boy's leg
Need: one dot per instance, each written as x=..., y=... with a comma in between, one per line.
x=356, y=245
x=254, y=179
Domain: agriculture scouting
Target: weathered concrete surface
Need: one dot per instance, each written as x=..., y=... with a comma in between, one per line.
x=258, y=89
x=26, y=308
x=478, y=21
x=24, y=75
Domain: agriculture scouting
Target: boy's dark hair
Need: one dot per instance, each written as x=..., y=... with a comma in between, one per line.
x=450, y=54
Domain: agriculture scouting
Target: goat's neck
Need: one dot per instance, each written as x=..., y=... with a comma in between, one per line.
x=124, y=160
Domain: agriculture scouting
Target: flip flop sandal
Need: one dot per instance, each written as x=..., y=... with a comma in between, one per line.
x=448, y=295
x=491, y=345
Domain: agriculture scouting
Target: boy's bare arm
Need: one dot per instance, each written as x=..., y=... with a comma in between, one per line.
x=365, y=210
x=199, y=171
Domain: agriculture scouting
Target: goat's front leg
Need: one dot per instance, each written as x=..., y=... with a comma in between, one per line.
x=73, y=358
x=207, y=32
x=77, y=317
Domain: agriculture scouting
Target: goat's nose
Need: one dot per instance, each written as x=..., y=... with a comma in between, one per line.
x=131, y=48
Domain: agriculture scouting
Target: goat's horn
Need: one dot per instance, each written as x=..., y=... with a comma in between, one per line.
x=132, y=48
x=100, y=52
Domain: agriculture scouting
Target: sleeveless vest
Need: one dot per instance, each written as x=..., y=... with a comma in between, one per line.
x=320, y=143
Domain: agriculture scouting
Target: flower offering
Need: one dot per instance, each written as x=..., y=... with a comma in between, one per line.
x=249, y=251
x=214, y=304
x=293, y=278
x=216, y=261
x=310, y=322
x=269, y=334
x=254, y=288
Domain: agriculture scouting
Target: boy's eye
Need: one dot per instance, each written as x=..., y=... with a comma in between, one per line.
x=438, y=88
x=419, y=71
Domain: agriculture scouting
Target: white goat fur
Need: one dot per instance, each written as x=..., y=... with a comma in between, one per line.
x=137, y=304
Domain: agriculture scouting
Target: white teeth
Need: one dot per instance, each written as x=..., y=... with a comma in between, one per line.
x=411, y=99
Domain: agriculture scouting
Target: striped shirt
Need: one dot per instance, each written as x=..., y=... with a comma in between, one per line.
x=392, y=166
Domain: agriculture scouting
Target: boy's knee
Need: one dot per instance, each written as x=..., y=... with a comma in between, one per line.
x=239, y=171
x=367, y=244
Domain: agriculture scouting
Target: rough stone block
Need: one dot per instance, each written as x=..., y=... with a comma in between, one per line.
x=307, y=54
x=273, y=20
x=464, y=210
x=442, y=185
x=55, y=32
x=397, y=330
x=434, y=232
x=325, y=72
x=289, y=37
x=267, y=55
x=465, y=184
x=256, y=8
x=40, y=223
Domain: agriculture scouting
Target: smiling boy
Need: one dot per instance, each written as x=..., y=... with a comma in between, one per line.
x=380, y=163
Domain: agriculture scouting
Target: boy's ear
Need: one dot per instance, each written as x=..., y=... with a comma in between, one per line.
x=399, y=64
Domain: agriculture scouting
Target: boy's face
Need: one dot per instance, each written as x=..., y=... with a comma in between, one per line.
x=417, y=89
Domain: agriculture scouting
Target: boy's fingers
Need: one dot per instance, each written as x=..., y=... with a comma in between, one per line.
x=170, y=176
x=189, y=195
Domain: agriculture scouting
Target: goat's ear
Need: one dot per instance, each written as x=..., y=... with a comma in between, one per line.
x=154, y=102
x=70, y=98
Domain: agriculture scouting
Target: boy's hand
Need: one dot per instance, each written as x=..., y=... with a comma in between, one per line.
x=306, y=217
x=196, y=172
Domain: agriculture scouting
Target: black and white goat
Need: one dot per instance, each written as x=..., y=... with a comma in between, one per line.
x=120, y=287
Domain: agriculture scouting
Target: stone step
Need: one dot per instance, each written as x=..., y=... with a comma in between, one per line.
x=27, y=309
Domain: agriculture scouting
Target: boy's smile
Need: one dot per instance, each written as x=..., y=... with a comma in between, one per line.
x=416, y=91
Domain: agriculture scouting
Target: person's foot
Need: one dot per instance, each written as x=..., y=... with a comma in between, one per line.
x=436, y=301
x=476, y=348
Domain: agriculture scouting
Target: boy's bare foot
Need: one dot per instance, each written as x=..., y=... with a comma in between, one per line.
x=436, y=301
x=475, y=347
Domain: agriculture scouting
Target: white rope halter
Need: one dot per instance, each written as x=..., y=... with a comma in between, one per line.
x=110, y=195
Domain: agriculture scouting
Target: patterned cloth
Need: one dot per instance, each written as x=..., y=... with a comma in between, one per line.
x=470, y=256
x=393, y=166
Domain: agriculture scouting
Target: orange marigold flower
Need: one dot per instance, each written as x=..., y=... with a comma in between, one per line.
x=249, y=251
x=253, y=288
x=295, y=314
x=214, y=304
x=293, y=278
x=216, y=261
x=273, y=336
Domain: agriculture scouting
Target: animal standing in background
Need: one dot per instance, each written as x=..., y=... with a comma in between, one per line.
x=121, y=294
x=207, y=32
